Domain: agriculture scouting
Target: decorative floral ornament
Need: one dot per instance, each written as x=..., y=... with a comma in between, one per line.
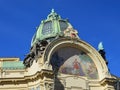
x=70, y=32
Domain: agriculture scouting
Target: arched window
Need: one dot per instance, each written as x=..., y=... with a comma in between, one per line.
x=63, y=25
x=47, y=28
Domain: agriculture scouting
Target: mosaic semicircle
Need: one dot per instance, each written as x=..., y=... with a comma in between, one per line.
x=73, y=61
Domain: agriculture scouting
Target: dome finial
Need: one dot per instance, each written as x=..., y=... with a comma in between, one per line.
x=100, y=46
x=52, y=10
x=53, y=15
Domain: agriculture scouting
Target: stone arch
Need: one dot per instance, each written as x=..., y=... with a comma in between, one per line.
x=83, y=46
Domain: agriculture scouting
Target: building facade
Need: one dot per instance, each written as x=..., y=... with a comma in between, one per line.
x=58, y=60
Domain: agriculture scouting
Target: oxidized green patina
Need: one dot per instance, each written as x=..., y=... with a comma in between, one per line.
x=51, y=27
x=100, y=46
x=13, y=65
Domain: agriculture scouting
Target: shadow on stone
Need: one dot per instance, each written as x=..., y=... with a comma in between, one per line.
x=58, y=85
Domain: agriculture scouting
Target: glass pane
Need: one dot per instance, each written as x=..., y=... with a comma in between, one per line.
x=63, y=25
x=47, y=28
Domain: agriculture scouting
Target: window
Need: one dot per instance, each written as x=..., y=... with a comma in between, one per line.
x=47, y=28
x=63, y=25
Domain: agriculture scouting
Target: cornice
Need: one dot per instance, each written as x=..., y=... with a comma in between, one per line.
x=24, y=80
x=109, y=81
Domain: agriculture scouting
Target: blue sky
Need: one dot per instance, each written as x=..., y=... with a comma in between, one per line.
x=95, y=20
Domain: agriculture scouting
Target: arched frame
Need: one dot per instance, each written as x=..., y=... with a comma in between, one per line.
x=83, y=46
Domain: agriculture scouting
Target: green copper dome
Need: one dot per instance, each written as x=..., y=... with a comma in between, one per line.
x=53, y=26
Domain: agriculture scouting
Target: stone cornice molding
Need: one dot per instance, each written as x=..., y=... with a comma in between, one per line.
x=24, y=80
